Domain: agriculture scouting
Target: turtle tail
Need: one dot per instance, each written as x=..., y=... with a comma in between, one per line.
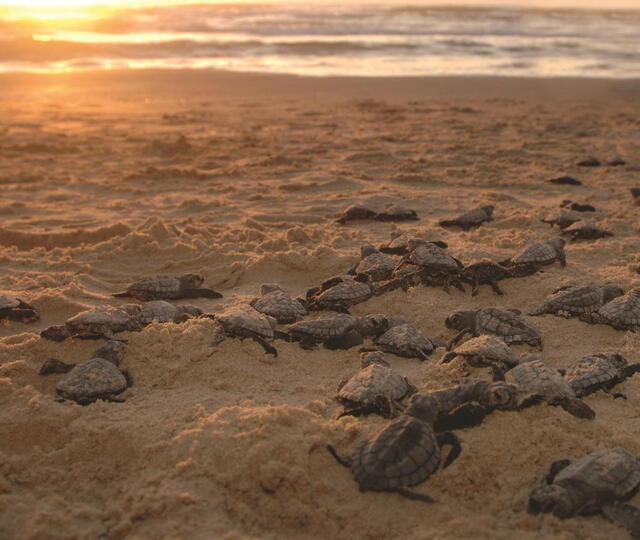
x=124, y=294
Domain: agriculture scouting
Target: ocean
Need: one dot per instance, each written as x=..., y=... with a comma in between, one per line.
x=360, y=40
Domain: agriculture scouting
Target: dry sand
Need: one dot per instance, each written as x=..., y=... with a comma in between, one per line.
x=227, y=442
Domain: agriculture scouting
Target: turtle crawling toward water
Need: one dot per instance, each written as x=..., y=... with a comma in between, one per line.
x=484, y=351
x=392, y=212
x=572, y=301
x=276, y=303
x=246, y=322
x=338, y=294
x=162, y=312
x=622, y=313
x=537, y=382
x=489, y=273
x=589, y=485
x=406, y=340
x=562, y=218
x=470, y=220
x=600, y=371
x=376, y=388
x=402, y=243
x=585, y=230
x=506, y=324
x=17, y=310
x=402, y=453
x=373, y=265
x=97, y=323
x=538, y=254
x=168, y=288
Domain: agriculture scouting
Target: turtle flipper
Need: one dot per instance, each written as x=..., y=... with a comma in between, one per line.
x=200, y=293
x=56, y=333
x=576, y=407
x=414, y=496
x=268, y=348
x=346, y=341
x=555, y=468
x=344, y=462
x=451, y=439
x=464, y=416
x=496, y=288
x=625, y=515
x=456, y=339
x=123, y=294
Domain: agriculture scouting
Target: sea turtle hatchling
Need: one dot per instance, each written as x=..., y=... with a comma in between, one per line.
x=97, y=323
x=168, y=288
x=591, y=484
x=245, y=322
x=484, y=351
x=402, y=453
x=489, y=273
x=561, y=217
x=537, y=382
x=470, y=220
x=338, y=294
x=355, y=212
x=394, y=212
x=572, y=301
x=373, y=265
x=162, y=312
x=276, y=303
x=17, y=310
x=401, y=241
x=600, y=371
x=622, y=313
x=376, y=388
x=539, y=254
x=406, y=340
x=585, y=230
x=506, y=324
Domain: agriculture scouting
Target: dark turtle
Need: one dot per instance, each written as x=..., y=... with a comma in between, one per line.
x=276, y=303
x=537, y=382
x=577, y=207
x=489, y=273
x=91, y=380
x=484, y=351
x=589, y=162
x=17, y=310
x=635, y=193
x=168, y=288
x=355, y=212
x=393, y=212
x=376, y=388
x=406, y=340
x=162, y=311
x=622, y=313
x=338, y=294
x=337, y=332
x=573, y=301
x=471, y=219
x=402, y=453
x=562, y=218
x=565, y=181
x=616, y=162
x=589, y=485
x=97, y=323
x=600, y=371
x=53, y=366
x=506, y=324
x=585, y=230
x=245, y=322
x=401, y=243
x=373, y=265
x=538, y=254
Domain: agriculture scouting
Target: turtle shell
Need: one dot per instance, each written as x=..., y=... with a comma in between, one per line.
x=249, y=320
x=347, y=291
x=507, y=325
x=538, y=253
x=562, y=218
x=535, y=379
x=104, y=320
x=406, y=340
x=377, y=265
x=595, y=371
x=325, y=327
x=433, y=256
x=623, y=312
x=576, y=300
x=9, y=302
x=91, y=380
x=487, y=347
x=372, y=382
x=155, y=288
x=279, y=305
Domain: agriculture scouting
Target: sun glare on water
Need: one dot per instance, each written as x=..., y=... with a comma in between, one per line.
x=67, y=9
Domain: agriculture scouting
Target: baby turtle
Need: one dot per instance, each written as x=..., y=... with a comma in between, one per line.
x=471, y=219
x=600, y=371
x=622, y=313
x=572, y=301
x=168, y=288
x=489, y=273
x=338, y=332
x=373, y=266
x=393, y=212
x=338, y=294
x=376, y=388
x=562, y=218
x=355, y=212
x=565, y=181
x=161, y=311
x=403, y=452
x=97, y=323
x=585, y=230
x=589, y=485
x=577, y=207
x=17, y=310
x=537, y=382
x=401, y=241
x=506, y=324
x=276, y=303
x=246, y=322
x=484, y=351
x=589, y=162
x=538, y=254
x=635, y=194
x=406, y=340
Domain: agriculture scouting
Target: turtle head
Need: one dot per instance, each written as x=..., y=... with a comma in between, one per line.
x=267, y=288
x=488, y=209
x=112, y=350
x=190, y=311
x=551, y=498
x=366, y=250
x=616, y=359
x=191, y=281
x=373, y=325
x=501, y=395
x=609, y=292
x=557, y=243
x=461, y=320
x=372, y=357
x=423, y=407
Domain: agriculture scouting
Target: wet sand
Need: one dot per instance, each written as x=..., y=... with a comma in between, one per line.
x=225, y=441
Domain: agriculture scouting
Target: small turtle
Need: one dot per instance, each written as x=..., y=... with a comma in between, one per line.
x=406, y=340
x=484, y=351
x=376, y=388
x=635, y=194
x=402, y=453
x=168, y=288
x=616, y=162
x=97, y=323
x=562, y=218
x=585, y=230
x=401, y=241
x=276, y=303
x=589, y=162
x=373, y=266
x=489, y=273
x=589, y=485
x=565, y=181
x=245, y=322
x=506, y=324
x=338, y=294
x=161, y=311
x=538, y=254
x=577, y=207
x=600, y=371
x=354, y=212
x=572, y=301
x=622, y=313
x=17, y=310
x=89, y=381
x=53, y=365
x=471, y=219
x=537, y=382
x=337, y=332
x=393, y=212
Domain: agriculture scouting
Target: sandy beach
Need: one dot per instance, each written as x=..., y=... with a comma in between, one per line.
x=225, y=441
